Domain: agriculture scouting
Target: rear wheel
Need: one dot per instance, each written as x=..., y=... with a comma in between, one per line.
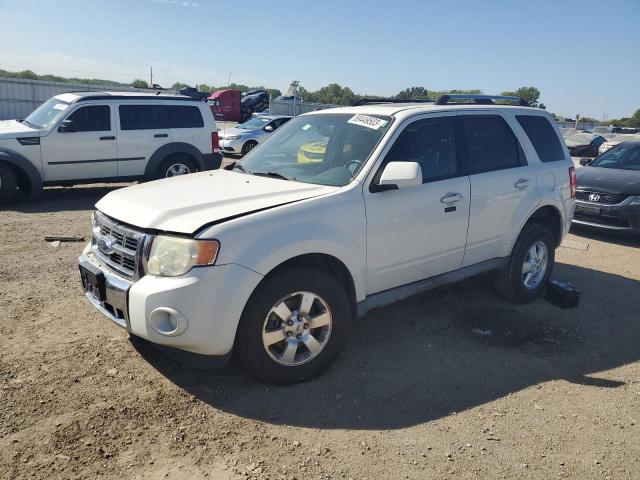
x=294, y=326
x=529, y=267
x=247, y=147
x=8, y=183
x=175, y=166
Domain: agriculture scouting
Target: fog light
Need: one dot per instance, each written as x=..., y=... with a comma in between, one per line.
x=167, y=321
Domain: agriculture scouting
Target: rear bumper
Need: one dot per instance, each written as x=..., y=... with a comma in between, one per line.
x=211, y=161
x=615, y=218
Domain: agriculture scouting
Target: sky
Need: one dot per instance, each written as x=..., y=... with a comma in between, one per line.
x=584, y=56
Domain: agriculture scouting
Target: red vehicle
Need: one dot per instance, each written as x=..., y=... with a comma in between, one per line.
x=225, y=105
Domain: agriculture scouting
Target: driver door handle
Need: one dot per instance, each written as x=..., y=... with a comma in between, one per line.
x=522, y=183
x=451, y=197
x=161, y=135
x=108, y=138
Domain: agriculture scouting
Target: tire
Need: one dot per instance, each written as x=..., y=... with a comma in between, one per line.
x=176, y=164
x=512, y=282
x=247, y=147
x=268, y=358
x=8, y=183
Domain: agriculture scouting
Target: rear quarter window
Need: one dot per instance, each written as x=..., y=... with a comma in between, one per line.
x=543, y=137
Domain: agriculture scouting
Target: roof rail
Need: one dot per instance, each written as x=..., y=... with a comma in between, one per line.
x=480, y=99
x=368, y=101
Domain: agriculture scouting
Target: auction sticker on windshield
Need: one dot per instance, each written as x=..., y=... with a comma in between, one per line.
x=60, y=106
x=368, y=121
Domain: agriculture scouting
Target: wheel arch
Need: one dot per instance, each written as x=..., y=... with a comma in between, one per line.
x=251, y=140
x=550, y=217
x=29, y=179
x=319, y=261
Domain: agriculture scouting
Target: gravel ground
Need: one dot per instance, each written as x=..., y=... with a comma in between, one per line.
x=455, y=383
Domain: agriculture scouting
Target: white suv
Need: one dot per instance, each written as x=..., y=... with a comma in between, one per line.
x=86, y=137
x=273, y=257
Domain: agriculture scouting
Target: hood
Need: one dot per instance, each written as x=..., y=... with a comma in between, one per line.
x=184, y=204
x=15, y=129
x=608, y=180
x=228, y=132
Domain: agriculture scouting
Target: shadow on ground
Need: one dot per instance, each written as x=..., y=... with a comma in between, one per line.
x=59, y=199
x=442, y=352
x=618, y=239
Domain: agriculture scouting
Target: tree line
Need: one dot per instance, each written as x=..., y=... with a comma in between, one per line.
x=333, y=93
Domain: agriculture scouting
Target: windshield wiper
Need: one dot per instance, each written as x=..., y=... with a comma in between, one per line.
x=273, y=175
x=236, y=165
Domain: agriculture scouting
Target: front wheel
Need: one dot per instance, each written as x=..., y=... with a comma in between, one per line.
x=293, y=326
x=247, y=147
x=529, y=267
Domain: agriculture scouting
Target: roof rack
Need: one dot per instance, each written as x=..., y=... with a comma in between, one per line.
x=480, y=99
x=368, y=101
x=148, y=96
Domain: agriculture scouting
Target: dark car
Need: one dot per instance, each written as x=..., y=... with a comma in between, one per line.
x=608, y=195
x=253, y=101
x=581, y=145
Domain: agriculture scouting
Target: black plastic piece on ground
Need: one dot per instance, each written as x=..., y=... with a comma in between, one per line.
x=562, y=294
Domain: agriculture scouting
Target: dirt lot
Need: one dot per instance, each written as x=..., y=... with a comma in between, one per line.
x=452, y=384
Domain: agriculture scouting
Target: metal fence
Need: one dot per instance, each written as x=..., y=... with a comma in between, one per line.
x=286, y=107
x=20, y=96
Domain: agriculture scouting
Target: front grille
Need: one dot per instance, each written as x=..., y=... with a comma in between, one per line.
x=601, y=220
x=599, y=197
x=120, y=247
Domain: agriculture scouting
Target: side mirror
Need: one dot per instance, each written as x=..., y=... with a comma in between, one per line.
x=401, y=175
x=586, y=161
x=269, y=128
x=66, y=126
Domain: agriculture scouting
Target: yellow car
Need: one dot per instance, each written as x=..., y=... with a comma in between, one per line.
x=313, y=152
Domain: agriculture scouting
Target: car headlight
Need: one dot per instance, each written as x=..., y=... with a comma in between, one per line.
x=175, y=256
x=233, y=137
x=635, y=201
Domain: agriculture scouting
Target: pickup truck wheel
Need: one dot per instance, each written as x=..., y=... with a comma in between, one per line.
x=8, y=183
x=175, y=166
x=293, y=326
x=247, y=147
x=529, y=267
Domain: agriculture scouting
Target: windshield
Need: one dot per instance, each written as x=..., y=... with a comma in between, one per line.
x=325, y=149
x=254, y=124
x=625, y=156
x=47, y=114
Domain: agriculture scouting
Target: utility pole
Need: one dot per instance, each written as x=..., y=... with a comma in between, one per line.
x=229, y=80
x=151, y=82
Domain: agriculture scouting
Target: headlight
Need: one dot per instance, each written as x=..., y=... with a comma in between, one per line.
x=635, y=201
x=233, y=137
x=175, y=256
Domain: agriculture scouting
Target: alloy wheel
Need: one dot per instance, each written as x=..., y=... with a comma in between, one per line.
x=535, y=264
x=297, y=328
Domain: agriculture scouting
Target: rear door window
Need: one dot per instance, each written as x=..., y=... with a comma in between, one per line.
x=142, y=117
x=492, y=144
x=91, y=119
x=183, y=116
x=542, y=136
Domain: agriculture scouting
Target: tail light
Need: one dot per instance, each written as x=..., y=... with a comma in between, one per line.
x=215, y=142
x=572, y=181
